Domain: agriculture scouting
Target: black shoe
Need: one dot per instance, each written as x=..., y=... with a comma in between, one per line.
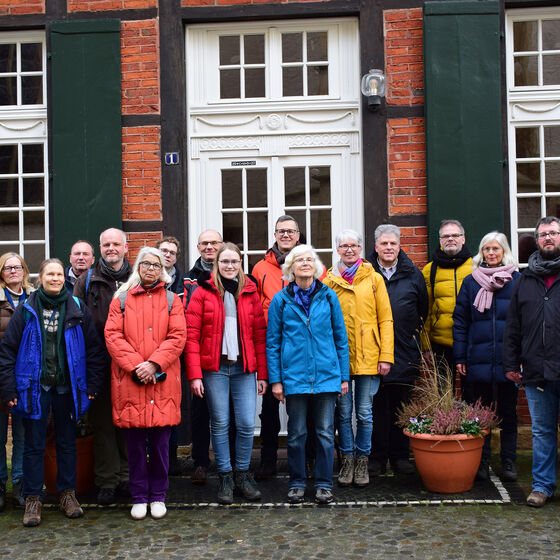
x=509, y=472
x=483, y=472
x=403, y=466
x=246, y=486
x=106, y=496
x=17, y=494
x=376, y=468
x=122, y=490
x=225, y=488
x=266, y=470
x=2, y=496
x=323, y=496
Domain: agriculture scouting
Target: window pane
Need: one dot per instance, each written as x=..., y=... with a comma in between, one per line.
x=257, y=230
x=326, y=258
x=320, y=185
x=31, y=90
x=317, y=46
x=526, y=72
x=34, y=255
x=551, y=70
x=33, y=225
x=31, y=57
x=528, y=177
x=553, y=206
x=253, y=260
x=292, y=81
x=552, y=176
x=254, y=82
x=525, y=36
x=231, y=189
x=317, y=80
x=321, y=235
x=33, y=191
x=229, y=50
x=8, y=58
x=528, y=212
x=8, y=159
x=233, y=228
x=254, y=49
x=551, y=34
x=9, y=226
x=256, y=188
x=33, y=158
x=230, y=85
x=552, y=141
x=527, y=142
x=294, y=186
x=8, y=192
x=8, y=94
x=292, y=44
x=299, y=217
x=526, y=245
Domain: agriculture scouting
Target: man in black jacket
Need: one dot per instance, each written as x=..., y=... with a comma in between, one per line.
x=409, y=304
x=531, y=352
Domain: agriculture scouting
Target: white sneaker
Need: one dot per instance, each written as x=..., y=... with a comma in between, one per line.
x=139, y=511
x=157, y=509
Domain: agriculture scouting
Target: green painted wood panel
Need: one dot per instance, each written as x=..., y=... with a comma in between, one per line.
x=85, y=131
x=463, y=111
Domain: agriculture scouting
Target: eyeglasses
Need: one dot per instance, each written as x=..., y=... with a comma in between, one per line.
x=351, y=247
x=491, y=249
x=551, y=234
x=230, y=263
x=304, y=260
x=147, y=265
x=451, y=236
x=290, y=232
x=16, y=268
x=213, y=243
x=168, y=252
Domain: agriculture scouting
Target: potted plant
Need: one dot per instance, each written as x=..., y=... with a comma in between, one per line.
x=446, y=434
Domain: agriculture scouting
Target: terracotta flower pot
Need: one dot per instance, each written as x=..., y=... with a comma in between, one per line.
x=84, y=465
x=447, y=464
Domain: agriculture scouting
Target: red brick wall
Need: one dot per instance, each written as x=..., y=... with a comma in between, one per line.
x=187, y=3
x=103, y=5
x=19, y=7
x=138, y=240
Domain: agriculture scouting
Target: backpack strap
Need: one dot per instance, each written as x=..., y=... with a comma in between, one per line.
x=77, y=301
x=433, y=271
x=170, y=299
x=122, y=299
x=88, y=280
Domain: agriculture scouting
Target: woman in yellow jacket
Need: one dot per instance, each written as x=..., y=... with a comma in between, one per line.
x=369, y=325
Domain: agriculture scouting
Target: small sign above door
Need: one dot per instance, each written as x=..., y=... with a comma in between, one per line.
x=243, y=163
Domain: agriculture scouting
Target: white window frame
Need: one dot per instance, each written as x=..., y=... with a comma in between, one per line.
x=528, y=106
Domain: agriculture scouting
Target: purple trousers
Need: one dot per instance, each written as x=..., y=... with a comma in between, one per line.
x=148, y=463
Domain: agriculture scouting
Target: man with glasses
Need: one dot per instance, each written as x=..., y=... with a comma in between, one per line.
x=209, y=241
x=97, y=290
x=531, y=354
x=451, y=263
x=171, y=249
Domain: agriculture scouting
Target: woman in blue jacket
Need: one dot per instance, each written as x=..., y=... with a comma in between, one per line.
x=308, y=366
x=478, y=331
x=51, y=358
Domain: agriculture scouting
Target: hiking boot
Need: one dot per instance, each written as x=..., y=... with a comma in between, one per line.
x=536, y=499
x=483, y=472
x=225, y=488
x=346, y=473
x=106, y=496
x=509, y=472
x=361, y=474
x=403, y=466
x=123, y=490
x=2, y=496
x=323, y=496
x=295, y=495
x=266, y=470
x=32, y=514
x=199, y=475
x=17, y=494
x=69, y=505
x=246, y=486
x=376, y=468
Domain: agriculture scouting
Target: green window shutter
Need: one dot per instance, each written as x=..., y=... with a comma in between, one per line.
x=463, y=117
x=86, y=131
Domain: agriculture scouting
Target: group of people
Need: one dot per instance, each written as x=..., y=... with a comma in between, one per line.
x=109, y=338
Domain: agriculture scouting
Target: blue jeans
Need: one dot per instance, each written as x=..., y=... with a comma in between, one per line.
x=321, y=408
x=17, y=448
x=62, y=405
x=544, y=407
x=365, y=387
x=230, y=381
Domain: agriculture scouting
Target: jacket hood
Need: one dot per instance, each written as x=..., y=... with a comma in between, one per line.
x=271, y=258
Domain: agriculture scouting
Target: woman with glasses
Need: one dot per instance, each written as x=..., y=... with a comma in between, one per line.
x=478, y=330
x=307, y=352
x=369, y=325
x=145, y=335
x=14, y=289
x=226, y=334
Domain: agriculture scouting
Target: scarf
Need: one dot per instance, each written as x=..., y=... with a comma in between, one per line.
x=207, y=266
x=13, y=298
x=543, y=267
x=56, y=303
x=349, y=273
x=491, y=280
x=444, y=260
x=280, y=257
x=230, y=341
x=304, y=296
x=119, y=276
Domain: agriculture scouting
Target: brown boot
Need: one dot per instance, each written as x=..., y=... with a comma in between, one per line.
x=69, y=505
x=32, y=514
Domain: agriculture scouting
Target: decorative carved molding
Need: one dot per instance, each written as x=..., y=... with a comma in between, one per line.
x=531, y=109
x=310, y=140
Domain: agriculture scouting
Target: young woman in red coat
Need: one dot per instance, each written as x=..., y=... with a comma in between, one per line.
x=145, y=337
x=226, y=340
